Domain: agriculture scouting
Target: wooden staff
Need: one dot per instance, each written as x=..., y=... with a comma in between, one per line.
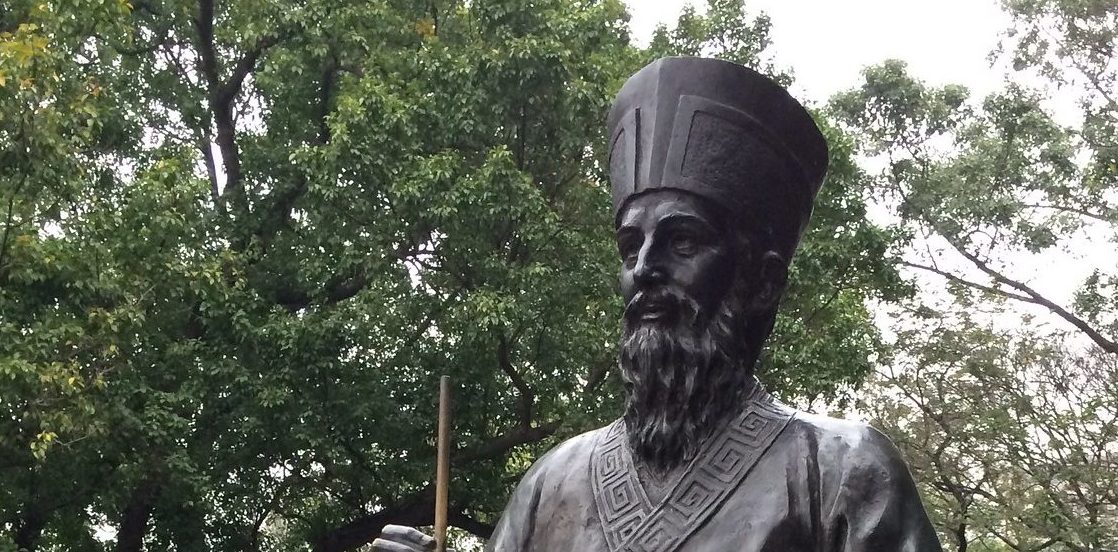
x=442, y=474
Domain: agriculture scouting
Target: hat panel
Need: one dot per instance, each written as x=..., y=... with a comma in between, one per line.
x=623, y=159
x=722, y=154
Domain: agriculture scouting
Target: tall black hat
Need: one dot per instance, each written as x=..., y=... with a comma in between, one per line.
x=723, y=132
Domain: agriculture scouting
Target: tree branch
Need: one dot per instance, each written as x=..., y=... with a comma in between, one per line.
x=949, y=276
x=460, y=519
x=414, y=510
x=207, y=52
x=597, y=375
x=9, y=217
x=211, y=168
x=283, y=199
x=1111, y=218
x=1037, y=299
x=247, y=64
x=497, y=446
x=337, y=289
x=527, y=397
x=325, y=95
x=137, y=514
x=222, y=95
x=418, y=508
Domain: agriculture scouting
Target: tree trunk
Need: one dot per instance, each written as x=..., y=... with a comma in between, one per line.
x=961, y=542
x=134, y=519
x=29, y=530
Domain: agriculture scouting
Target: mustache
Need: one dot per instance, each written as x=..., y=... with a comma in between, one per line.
x=672, y=300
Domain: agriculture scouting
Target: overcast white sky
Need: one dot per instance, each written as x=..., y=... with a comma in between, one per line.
x=828, y=42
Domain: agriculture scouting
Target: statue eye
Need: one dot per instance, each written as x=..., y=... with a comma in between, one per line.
x=628, y=247
x=685, y=243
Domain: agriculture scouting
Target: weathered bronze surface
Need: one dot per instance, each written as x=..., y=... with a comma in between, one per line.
x=714, y=169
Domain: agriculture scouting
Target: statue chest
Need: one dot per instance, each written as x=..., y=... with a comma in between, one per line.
x=607, y=508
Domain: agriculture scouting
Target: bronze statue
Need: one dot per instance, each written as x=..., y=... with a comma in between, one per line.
x=714, y=170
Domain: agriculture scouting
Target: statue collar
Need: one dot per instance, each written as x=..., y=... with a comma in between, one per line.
x=632, y=523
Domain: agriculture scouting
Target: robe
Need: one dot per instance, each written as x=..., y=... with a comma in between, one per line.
x=773, y=480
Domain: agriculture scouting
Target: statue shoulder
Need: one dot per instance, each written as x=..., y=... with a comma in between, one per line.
x=577, y=449
x=550, y=474
x=557, y=464
x=864, y=484
x=854, y=446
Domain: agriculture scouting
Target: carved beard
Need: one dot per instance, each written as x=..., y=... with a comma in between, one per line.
x=682, y=378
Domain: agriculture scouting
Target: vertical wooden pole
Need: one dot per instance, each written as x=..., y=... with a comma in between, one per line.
x=442, y=474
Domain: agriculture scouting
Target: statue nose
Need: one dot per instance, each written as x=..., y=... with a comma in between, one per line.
x=649, y=270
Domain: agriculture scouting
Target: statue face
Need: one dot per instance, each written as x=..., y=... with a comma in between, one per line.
x=673, y=239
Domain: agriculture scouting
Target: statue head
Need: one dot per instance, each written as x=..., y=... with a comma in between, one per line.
x=714, y=169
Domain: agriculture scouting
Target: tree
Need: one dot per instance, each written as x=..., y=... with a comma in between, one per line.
x=243, y=239
x=1011, y=429
x=1010, y=434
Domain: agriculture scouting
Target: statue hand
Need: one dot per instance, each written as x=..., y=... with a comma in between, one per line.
x=397, y=538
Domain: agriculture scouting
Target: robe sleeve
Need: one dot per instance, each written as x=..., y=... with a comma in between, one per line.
x=513, y=532
x=876, y=506
x=525, y=525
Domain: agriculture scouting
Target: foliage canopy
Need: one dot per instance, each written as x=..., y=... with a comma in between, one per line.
x=241, y=240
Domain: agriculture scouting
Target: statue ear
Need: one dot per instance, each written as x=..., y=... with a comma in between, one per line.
x=771, y=281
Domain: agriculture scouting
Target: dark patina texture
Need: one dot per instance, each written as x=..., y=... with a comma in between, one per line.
x=818, y=485
x=714, y=170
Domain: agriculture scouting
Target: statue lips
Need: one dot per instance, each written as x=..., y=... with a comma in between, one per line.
x=652, y=306
x=655, y=310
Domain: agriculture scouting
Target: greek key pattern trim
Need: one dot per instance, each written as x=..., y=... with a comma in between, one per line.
x=622, y=502
x=631, y=524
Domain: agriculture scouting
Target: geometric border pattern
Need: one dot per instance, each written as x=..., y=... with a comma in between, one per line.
x=632, y=524
x=622, y=502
